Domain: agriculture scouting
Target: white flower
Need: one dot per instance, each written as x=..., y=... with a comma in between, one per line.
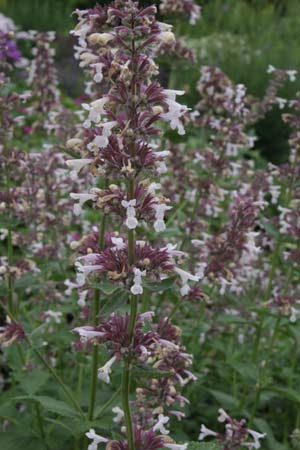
x=76, y=165
x=174, y=114
x=232, y=149
x=95, y=438
x=222, y=415
x=185, y=276
x=250, y=244
x=53, y=315
x=204, y=432
x=87, y=333
x=81, y=33
x=95, y=109
x=275, y=193
x=159, y=426
x=292, y=74
x=162, y=154
x=271, y=69
x=119, y=414
x=119, y=243
x=256, y=436
x=176, y=446
x=82, y=199
x=281, y=102
x=3, y=234
x=293, y=315
x=161, y=167
x=224, y=284
x=101, y=141
x=6, y=24
x=82, y=298
x=137, y=288
x=153, y=187
x=201, y=270
x=104, y=372
x=70, y=286
x=83, y=271
x=160, y=209
x=195, y=15
x=251, y=141
x=171, y=93
x=98, y=77
x=131, y=221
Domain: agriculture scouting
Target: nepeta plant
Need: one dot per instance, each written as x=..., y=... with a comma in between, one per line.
x=42, y=74
x=117, y=144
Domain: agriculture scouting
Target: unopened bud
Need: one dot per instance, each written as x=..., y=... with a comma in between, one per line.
x=74, y=245
x=100, y=38
x=157, y=109
x=167, y=37
x=87, y=58
x=74, y=142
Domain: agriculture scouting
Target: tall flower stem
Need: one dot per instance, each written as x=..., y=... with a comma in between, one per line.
x=126, y=378
x=9, y=244
x=95, y=347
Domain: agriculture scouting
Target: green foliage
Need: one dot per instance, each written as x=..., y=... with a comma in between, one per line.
x=204, y=446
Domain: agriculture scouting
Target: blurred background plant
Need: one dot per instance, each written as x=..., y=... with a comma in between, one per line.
x=241, y=37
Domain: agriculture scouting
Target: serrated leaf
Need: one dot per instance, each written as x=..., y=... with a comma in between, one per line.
x=56, y=406
x=204, y=446
x=31, y=382
x=51, y=404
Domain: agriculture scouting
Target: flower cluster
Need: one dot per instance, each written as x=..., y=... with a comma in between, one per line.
x=42, y=76
x=236, y=434
x=186, y=7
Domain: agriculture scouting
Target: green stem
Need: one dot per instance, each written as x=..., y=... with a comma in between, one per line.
x=175, y=308
x=9, y=246
x=66, y=390
x=264, y=368
x=80, y=379
x=107, y=404
x=94, y=359
x=257, y=339
x=125, y=403
x=95, y=322
x=39, y=419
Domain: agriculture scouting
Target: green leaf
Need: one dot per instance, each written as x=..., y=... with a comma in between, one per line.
x=51, y=404
x=226, y=400
x=56, y=406
x=161, y=286
x=285, y=392
x=31, y=382
x=12, y=440
x=264, y=427
x=204, y=446
x=106, y=287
